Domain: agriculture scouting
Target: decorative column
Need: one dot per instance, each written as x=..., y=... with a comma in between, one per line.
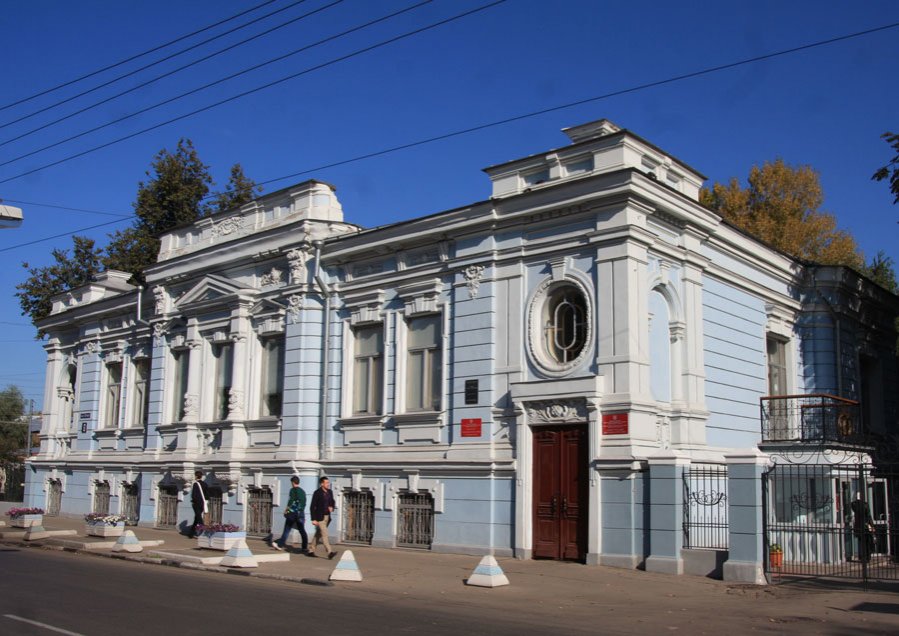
x=194, y=379
x=746, y=525
x=666, y=512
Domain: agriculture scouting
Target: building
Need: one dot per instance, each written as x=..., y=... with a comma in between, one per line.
x=532, y=374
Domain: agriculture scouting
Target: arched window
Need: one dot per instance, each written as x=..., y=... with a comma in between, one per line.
x=565, y=323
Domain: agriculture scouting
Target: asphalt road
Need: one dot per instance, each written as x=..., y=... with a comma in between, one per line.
x=92, y=596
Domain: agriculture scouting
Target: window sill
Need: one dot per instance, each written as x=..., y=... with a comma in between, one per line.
x=362, y=429
x=419, y=426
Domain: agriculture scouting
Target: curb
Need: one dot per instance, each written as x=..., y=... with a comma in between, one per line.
x=171, y=563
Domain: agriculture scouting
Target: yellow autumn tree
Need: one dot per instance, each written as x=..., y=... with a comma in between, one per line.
x=781, y=207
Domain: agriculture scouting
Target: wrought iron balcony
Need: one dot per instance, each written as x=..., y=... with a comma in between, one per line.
x=811, y=419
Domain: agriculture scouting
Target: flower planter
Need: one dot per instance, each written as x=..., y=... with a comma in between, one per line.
x=104, y=529
x=776, y=560
x=26, y=521
x=220, y=540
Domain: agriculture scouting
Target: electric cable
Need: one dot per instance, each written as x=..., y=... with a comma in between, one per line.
x=64, y=207
x=257, y=89
x=528, y=115
x=134, y=72
x=134, y=57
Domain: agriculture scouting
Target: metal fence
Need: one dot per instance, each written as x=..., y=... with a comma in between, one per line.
x=832, y=520
x=358, y=516
x=54, y=497
x=167, y=507
x=101, y=498
x=131, y=504
x=214, y=502
x=415, y=520
x=259, y=512
x=815, y=418
x=705, y=507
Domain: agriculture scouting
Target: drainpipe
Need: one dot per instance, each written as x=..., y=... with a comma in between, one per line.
x=323, y=424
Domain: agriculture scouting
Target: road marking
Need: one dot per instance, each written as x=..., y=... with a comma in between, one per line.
x=44, y=625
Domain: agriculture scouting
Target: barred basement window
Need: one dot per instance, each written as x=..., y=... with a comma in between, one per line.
x=54, y=497
x=215, y=504
x=259, y=511
x=167, y=507
x=358, y=517
x=131, y=504
x=101, y=498
x=415, y=520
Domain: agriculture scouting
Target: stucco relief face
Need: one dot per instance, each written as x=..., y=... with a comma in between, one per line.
x=560, y=327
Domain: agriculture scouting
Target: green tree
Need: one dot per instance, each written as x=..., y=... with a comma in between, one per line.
x=171, y=197
x=66, y=273
x=781, y=206
x=240, y=190
x=13, y=433
x=882, y=271
x=891, y=170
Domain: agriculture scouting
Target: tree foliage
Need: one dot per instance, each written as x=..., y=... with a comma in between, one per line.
x=882, y=271
x=890, y=172
x=174, y=194
x=13, y=433
x=67, y=272
x=781, y=206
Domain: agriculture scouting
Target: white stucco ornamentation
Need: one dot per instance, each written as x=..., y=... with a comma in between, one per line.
x=228, y=226
x=473, y=275
x=274, y=277
x=159, y=333
x=235, y=404
x=296, y=258
x=556, y=411
x=560, y=325
x=160, y=297
x=190, y=405
x=295, y=304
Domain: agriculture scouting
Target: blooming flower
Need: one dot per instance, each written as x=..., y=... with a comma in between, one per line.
x=15, y=513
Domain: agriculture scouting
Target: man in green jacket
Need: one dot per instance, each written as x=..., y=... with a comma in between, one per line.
x=294, y=516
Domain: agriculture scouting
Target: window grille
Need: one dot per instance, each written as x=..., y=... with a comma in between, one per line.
x=415, y=520
x=214, y=502
x=358, y=516
x=54, y=497
x=259, y=511
x=131, y=504
x=705, y=508
x=167, y=507
x=101, y=498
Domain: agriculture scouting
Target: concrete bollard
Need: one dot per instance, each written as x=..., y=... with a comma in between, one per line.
x=488, y=574
x=127, y=543
x=36, y=532
x=347, y=569
x=239, y=556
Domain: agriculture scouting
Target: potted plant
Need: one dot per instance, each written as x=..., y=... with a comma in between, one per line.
x=98, y=524
x=25, y=517
x=219, y=536
x=775, y=556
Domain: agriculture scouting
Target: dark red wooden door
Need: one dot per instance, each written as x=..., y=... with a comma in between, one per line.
x=560, y=492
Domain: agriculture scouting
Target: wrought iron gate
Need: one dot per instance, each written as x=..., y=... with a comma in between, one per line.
x=705, y=508
x=358, y=516
x=832, y=520
x=101, y=498
x=167, y=507
x=259, y=511
x=415, y=520
x=54, y=497
x=131, y=504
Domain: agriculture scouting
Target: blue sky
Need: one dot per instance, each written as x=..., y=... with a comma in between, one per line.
x=825, y=107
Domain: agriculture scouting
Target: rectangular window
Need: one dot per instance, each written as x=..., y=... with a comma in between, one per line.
x=141, y=392
x=272, y=376
x=423, y=366
x=113, y=394
x=368, y=370
x=223, y=358
x=179, y=383
x=777, y=366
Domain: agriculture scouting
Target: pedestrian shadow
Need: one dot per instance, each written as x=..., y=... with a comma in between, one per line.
x=880, y=608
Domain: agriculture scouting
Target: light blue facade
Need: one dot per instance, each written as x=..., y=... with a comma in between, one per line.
x=422, y=359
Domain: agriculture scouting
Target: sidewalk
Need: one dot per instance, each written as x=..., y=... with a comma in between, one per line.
x=573, y=591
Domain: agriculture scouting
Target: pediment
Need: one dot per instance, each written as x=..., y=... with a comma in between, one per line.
x=212, y=289
x=267, y=306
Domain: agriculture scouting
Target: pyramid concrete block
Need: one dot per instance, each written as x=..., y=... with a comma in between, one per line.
x=239, y=556
x=36, y=532
x=488, y=574
x=347, y=569
x=127, y=543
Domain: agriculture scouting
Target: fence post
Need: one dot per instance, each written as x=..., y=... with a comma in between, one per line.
x=744, y=490
x=666, y=512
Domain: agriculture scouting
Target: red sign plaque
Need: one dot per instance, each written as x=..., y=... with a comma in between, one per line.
x=471, y=427
x=614, y=424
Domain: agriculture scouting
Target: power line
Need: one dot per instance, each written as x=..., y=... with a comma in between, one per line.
x=64, y=207
x=158, y=77
x=534, y=114
x=221, y=80
x=258, y=88
x=134, y=57
x=55, y=236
